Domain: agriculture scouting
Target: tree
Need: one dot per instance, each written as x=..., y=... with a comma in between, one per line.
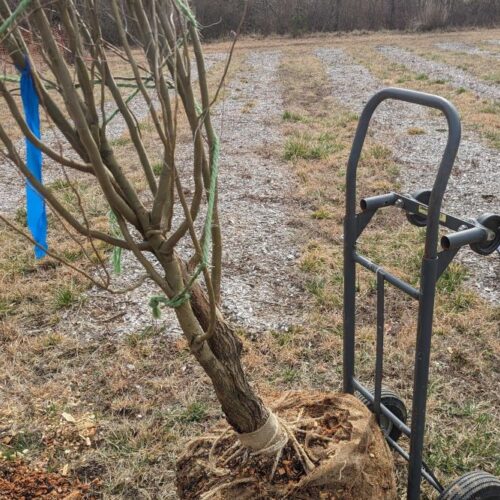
x=163, y=29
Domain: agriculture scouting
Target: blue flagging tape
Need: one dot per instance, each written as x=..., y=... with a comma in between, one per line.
x=35, y=202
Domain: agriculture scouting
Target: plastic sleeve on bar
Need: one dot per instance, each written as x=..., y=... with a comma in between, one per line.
x=467, y=237
x=375, y=202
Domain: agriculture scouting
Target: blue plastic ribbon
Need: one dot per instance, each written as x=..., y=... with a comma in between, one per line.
x=35, y=202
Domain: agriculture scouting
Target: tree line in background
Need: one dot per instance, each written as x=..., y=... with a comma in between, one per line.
x=297, y=17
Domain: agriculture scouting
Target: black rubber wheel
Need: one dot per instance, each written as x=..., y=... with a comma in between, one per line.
x=419, y=220
x=475, y=485
x=491, y=221
x=393, y=403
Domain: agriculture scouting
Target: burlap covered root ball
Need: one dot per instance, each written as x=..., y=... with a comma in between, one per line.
x=315, y=446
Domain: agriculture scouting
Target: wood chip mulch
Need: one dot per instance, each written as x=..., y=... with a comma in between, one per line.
x=19, y=481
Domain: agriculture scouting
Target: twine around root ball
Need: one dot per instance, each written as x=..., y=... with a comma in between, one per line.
x=278, y=434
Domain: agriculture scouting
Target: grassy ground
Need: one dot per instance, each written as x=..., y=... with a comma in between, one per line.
x=122, y=408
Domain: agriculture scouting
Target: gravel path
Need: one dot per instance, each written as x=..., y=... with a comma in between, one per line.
x=474, y=187
x=466, y=48
x=437, y=70
x=259, y=261
x=256, y=192
x=11, y=182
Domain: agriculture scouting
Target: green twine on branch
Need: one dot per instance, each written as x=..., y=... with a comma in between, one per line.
x=117, y=251
x=175, y=302
x=185, y=295
x=117, y=111
x=186, y=10
x=23, y=5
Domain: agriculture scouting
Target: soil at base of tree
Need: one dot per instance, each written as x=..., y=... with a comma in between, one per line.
x=340, y=435
x=19, y=481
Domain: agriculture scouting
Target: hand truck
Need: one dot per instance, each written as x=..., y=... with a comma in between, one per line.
x=422, y=209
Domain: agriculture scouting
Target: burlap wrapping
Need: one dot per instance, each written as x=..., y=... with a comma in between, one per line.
x=357, y=467
x=269, y=439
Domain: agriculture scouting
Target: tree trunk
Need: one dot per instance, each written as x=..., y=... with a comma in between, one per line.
x=244, y=410
x=392, y=15
x=220, y=357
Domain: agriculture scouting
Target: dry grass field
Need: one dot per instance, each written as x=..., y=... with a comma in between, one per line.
x=96, y=390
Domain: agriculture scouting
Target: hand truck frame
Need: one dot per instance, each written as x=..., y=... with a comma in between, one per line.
x=422, y=209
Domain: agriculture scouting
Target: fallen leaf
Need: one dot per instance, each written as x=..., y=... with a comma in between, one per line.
x=68, y=417
x=73, y=496
x=86, y=425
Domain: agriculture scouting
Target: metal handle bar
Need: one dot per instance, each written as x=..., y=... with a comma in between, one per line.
x=376, y=202
x=444, y=171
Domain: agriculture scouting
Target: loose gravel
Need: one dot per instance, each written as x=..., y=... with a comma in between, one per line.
x=474, y=186
x=466, y=48
x=260, y=256
x=260, y=288
x=441, y=71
